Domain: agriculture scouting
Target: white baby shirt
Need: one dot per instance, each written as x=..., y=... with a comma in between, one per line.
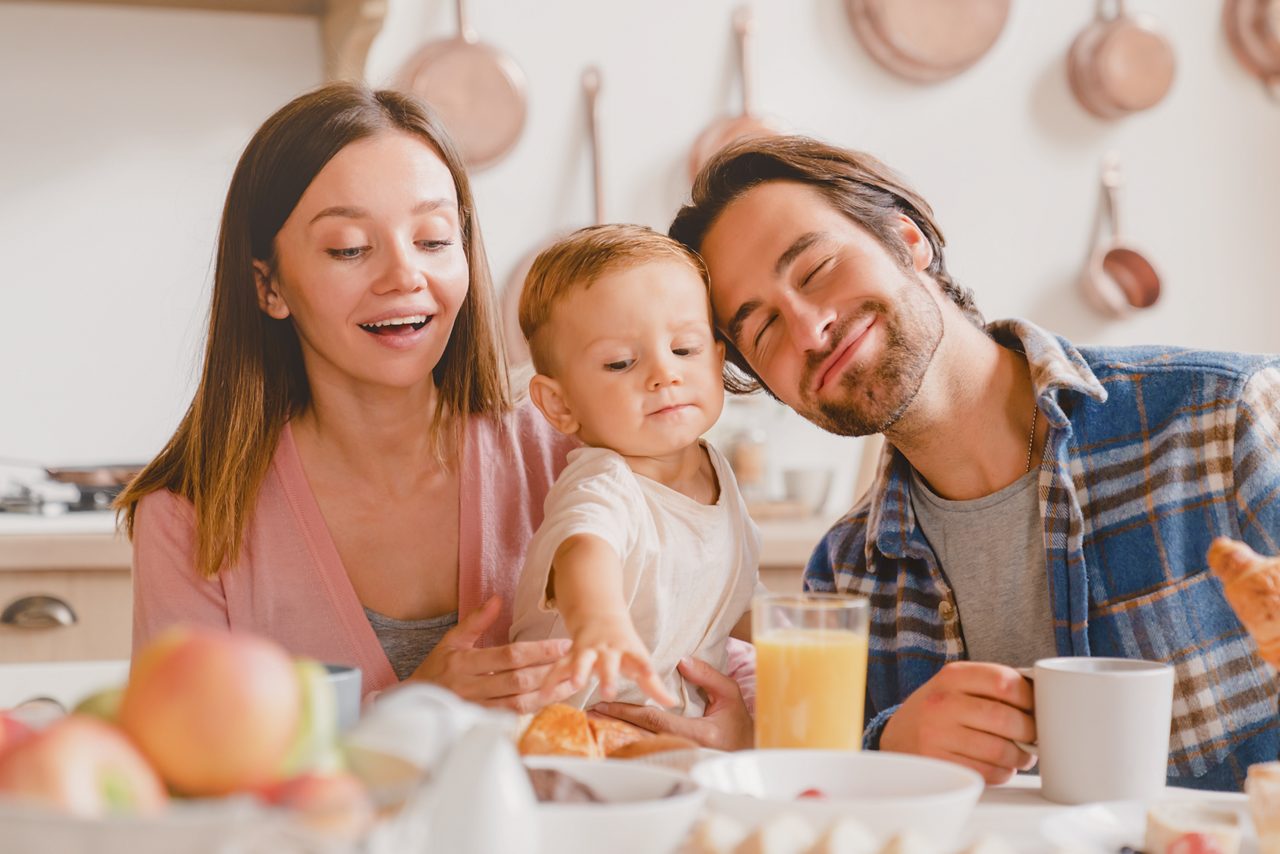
x=688, y=569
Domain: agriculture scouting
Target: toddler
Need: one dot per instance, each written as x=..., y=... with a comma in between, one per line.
x=646, y=553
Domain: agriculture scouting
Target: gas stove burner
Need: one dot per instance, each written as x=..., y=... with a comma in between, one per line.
x=52, y=492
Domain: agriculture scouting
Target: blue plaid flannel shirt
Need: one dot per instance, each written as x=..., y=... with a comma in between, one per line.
x=1151, y=453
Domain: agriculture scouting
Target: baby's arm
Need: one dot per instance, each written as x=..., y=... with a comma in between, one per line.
x=585, y=584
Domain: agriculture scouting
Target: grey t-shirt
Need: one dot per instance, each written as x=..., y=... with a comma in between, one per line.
x=992, y=551
x=407, y=642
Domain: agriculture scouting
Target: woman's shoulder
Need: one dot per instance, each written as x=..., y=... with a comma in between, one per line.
x=523, y=432
x=165, y=507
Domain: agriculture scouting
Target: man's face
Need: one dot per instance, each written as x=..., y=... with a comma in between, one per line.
x=836, y=326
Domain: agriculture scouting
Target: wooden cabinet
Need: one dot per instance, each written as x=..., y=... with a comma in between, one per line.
x=347, y=27
x=65, y=598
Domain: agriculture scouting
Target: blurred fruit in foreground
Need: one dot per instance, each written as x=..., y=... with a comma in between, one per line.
x=104, y=704
x=12, y=731
x=335, y=804
x=83, y=766
x=214, y=712
x=315, y=741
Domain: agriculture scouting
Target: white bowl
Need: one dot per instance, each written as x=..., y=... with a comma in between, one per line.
x=887, y=792
x=637, y=819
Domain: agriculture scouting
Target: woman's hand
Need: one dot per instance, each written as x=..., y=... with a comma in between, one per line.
x=725, y=723
x=506, y=676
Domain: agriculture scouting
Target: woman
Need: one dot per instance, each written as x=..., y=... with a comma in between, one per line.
x=351, y=478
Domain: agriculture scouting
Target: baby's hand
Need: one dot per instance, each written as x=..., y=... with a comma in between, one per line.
x=607, y=646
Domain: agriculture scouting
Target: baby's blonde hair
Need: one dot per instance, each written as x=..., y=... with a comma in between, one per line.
x=577, y=260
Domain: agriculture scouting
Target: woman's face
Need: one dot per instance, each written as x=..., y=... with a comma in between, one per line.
x=370, y=265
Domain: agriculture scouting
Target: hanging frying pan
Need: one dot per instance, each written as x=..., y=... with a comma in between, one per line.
x=927, y=40
x=1120, y=63
x=1253, y=30
x=478, y=91
x=728, y=129
x=1117, y=278
x=517, y=349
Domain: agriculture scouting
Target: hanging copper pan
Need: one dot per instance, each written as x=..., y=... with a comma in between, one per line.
x=513, y=338
x=927, y=40
x=1253, y=30
x=746, y=124
x=1117, y=278
x=477, y=90
x=1120, y=63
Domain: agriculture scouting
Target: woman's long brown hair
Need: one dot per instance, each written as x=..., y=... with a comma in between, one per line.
x=253, y=379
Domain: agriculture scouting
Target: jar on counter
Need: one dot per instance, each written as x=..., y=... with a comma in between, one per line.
x=748, y=455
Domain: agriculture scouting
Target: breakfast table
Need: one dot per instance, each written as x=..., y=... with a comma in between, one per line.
x=1018, y=813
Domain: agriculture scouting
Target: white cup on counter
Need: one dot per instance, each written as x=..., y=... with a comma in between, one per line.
x=1102, y=727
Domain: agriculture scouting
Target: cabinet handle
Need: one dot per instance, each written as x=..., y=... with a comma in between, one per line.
x=38, y=612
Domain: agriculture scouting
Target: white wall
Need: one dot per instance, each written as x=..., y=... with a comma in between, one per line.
x=121, y=127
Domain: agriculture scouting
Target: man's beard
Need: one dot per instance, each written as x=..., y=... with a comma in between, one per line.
x=874, y=397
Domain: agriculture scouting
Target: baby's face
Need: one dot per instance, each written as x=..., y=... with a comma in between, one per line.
x=635, y=359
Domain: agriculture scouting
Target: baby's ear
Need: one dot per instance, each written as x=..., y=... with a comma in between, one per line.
x=548, y=396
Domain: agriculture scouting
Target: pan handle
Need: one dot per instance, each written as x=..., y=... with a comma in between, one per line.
x=1111, y=180
x=1100, y=10
x=465, y=33
x=591, y=89
x=744, y=24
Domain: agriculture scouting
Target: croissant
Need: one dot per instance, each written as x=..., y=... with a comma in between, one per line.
x=562, y=730
x=1251, y=583
x=559, y=730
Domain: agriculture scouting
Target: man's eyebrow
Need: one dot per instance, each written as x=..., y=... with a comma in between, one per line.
x=734, y=326
x=424, y=206
x=802, y=243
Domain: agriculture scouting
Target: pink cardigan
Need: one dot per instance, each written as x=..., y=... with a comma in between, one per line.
x=288, y=582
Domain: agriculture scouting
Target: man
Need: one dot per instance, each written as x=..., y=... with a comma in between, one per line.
x=1034, y=499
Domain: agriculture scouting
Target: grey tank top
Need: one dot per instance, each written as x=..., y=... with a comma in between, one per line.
x=407, y=642
x=992, y=552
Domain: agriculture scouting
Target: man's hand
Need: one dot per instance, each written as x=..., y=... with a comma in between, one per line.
x=725, y=723
x=607, y=644
x=506, y=676
x=970, y=713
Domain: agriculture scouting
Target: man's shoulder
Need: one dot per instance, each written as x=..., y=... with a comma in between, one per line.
x=1133, y=362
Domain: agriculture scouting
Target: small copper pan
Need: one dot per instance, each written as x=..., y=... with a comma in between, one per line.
x=517, y=348
x=1120, y=63
x=746, y=124
x=478, y=91
x=1117, y=278
x=927, y=40
x=1253, y=30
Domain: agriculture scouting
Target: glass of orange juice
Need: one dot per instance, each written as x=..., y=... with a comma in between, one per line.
x=811, y=669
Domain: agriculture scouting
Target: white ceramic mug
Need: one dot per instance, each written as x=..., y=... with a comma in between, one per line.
x=1102, y=727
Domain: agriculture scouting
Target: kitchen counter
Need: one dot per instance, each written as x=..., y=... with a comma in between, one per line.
x=90, y=541
x=69, y=541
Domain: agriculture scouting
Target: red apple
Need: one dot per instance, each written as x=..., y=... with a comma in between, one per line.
x=215, y=712
x=83, y=766
x=334, y=803
x=12, y=731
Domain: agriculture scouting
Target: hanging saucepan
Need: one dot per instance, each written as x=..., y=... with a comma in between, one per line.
x=1120, y=63
x=1253, y=30
x=477, y=90
x=927, y=40
x=517, y=349
x=746, y=124
x=1117, y=278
